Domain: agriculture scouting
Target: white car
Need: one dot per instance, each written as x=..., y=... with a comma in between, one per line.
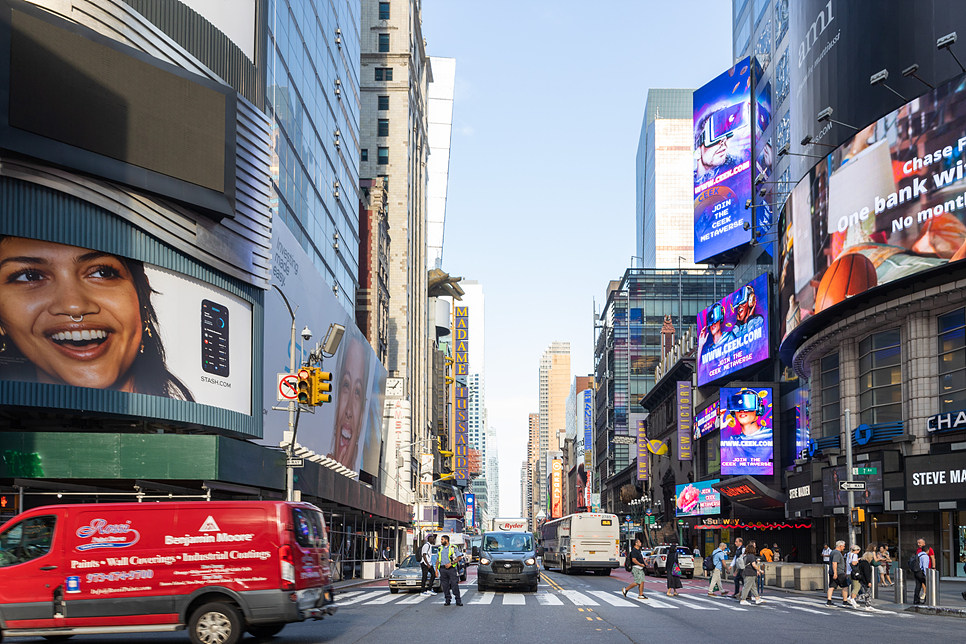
x=655, y=562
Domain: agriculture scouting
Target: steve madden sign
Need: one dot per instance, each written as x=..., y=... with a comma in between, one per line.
x=936, y=477
x=800, y=492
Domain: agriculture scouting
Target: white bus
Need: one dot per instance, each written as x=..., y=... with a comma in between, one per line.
x=586, y=541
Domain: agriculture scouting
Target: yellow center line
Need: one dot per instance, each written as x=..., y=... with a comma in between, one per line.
x=581, y=609
x=599, y=619
x=590, y=619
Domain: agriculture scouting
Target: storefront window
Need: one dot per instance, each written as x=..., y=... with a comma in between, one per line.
x=952, y=361
x=830, y=395
x=880, y=378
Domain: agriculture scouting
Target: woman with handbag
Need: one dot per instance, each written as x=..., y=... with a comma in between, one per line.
x=673, y=570
x=885, y=562
x=752, y=570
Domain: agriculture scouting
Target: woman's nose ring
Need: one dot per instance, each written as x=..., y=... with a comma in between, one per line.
x=77, y=319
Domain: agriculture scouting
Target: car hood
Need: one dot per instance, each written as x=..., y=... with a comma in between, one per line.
x=406, y=572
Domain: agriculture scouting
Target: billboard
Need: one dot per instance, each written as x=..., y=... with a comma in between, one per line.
x=461, y=353
x=685, y=410
x=833, y=496
x=556, y=489
x=470, y=518
x=587, y=399
x=697, y=499
x=706, y=421
x=747, y=439
x=638, y=427
x=733, y=333
x=722, y=162
x=350, y=428
x=85, y=318
x=886, y=205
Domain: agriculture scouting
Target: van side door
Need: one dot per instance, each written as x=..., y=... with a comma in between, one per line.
x=32, y=572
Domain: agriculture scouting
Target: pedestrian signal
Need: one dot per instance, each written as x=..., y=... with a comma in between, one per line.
x=322, y=384
x=305, y=386
x=858, y=515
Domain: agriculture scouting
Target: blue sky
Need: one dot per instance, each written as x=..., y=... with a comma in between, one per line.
x=548, y=109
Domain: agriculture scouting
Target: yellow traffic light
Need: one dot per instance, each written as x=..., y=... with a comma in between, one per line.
x=305, y=386
x=321, y=385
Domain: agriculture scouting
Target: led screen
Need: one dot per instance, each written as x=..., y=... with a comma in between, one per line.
x=886, y=205
x=733, y=333
x=722, y=162
x=706, y=420
x=833, y=495
x=697, y=499
x=747, y=439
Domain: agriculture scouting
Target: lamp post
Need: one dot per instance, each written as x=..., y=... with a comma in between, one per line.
x=292, y=405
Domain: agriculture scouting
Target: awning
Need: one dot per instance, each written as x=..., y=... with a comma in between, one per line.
x=749, y=491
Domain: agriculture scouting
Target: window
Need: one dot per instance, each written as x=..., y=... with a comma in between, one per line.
x=309, y=532
x=383, y=43
x=383, y=156
x=383, y=128
x=830, y=395
x=383, y=11
x=384, y=102
x=364, y=154
x=384, y=74
x=880, y=378
x=26, y=540
x=952, y=361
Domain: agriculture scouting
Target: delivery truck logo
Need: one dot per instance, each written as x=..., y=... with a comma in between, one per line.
x=209, y=525
x=105, y=535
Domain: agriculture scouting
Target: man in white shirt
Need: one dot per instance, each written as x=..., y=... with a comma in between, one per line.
x=427, y=563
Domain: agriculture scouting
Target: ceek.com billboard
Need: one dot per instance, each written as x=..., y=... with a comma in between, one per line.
x=697, y=499
x=747, y=436
x=733, y=332
x=722, y=162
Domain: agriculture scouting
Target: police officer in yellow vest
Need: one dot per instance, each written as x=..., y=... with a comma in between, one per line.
x=447, y=564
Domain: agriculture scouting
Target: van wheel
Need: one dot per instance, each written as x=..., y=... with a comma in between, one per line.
x=264, y=631
x=215, y=623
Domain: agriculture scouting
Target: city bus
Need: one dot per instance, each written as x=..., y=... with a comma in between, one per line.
x=587, y=541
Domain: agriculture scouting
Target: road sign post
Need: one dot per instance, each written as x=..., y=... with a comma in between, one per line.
x=864, y=471
x=294, y=462
x=288, y=387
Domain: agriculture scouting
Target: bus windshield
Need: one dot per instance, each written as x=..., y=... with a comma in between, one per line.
x=508, y=542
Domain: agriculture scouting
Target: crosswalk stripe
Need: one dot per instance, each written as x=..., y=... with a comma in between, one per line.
x=653, y=603
x=724, y=605
x=610, y=599
x=360, y=598
x=548, y=599
x=803, y=609
x=344, y=596
x=579, y=599
x=385, y=599
x=483, y=598
x=414, y=599
x=514, y=600
x=679, y=600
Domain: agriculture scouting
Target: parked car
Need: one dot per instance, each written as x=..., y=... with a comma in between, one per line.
x=408, y=576
x=654, y=563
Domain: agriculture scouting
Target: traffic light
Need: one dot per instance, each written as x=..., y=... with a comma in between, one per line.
x=321, y=385
x=305, y=386
x=10, y=503
x=858, y=515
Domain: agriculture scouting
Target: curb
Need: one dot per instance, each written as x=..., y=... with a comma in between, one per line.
x=937, y=610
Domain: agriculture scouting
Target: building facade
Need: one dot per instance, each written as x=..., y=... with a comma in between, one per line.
x=441, y=94
x=372, y=300
x=554, y=385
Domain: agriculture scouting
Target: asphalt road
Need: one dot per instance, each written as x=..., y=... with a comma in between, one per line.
x=587, y=609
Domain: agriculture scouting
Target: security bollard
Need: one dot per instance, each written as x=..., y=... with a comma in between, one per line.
x=899, y=585
x=874, y=589
x=932, y=587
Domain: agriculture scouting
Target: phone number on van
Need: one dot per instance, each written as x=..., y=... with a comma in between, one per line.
x=97, y=577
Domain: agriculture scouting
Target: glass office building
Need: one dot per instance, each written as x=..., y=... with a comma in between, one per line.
x=313, y=100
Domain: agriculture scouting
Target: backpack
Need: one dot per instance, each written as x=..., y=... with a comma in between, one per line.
x=628, y=564
x=708, y=564
x=855, y=573
x=913, y=564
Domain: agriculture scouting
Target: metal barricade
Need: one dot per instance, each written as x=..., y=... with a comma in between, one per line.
x=899, y=585
x=932, y=587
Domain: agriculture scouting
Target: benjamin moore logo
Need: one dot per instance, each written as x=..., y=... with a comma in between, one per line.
x=209, y=525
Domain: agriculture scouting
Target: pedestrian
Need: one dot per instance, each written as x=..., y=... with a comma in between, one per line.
x=673, y=570
x=766, y=553
x=793, y=555
x=426, y=562
x=696, y=553
x=637, y=569
x=884, y=561
x=921, y=543
x=447, y=563
x=386, y=554
x=837, y=577
x=751, y=571
x=923, y=559
x=826, y=557
x=865, y=571
x=718, y=559
x=736, y=566
x=851, y=563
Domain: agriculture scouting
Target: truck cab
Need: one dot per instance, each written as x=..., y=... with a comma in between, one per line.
x=508, y=559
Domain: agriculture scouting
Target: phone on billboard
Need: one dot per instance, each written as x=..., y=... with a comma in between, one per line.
x=723, y=124
x=214, y=338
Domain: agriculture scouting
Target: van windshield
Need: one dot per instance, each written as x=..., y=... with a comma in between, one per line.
x=508, y=542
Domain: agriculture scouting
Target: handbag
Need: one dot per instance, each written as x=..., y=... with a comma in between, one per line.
x=676, y=571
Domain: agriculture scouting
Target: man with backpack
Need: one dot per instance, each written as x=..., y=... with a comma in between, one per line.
x=919, y=563
x=716, y=561
x=836, y=575
x=736, y=565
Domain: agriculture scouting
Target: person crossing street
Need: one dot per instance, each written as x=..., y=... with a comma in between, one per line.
x=426, y=563
x=447, y=564
x=718, y=558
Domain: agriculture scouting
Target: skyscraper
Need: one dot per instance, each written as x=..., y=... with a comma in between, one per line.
x=664, y=180
x=493, y=471
x=553, y=390
x=530, y=508
x=440, y=134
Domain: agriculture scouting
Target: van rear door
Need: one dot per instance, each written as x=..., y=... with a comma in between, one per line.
x=32, y=571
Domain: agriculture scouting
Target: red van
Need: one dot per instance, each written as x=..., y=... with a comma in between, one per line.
x=216, y=568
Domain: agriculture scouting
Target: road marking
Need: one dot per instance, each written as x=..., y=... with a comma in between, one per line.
x=514, y=600
x=341, y=597
x=590, y=619
x=678, y=600
x=414, y=599
x=385, y=599
x=548, y=599
x=360, y=598
x=610, y=599
x=719, y=604
x=653, y=602
x=483, y=598
x=579, y=599
x=805, y=610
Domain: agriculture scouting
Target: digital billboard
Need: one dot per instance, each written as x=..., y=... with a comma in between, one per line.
x=350, y=429
x=833, y=495
x=747, y=437
x=733, y=333
x=886, y=205
x=556, y=489
x=85, y=318
x=706, y=420
x=697, y=499
x=722, y=162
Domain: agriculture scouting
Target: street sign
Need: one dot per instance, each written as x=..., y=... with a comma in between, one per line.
x=624, y=440
x=651, y=519
x=855, y=486
x=295, y=462
x=864, y=471
x=649, y=512
x=288, y=386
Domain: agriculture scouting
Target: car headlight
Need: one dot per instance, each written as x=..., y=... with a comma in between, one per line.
x=484, y=561
x=531, y=561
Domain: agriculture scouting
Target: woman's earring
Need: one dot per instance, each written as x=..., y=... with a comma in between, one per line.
x=3, y=343
x=147, y=331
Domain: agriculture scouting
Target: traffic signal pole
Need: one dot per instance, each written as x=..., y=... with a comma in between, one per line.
x=848, y=474
x=292, y=423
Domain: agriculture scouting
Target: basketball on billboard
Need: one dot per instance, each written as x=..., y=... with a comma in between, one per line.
x=847, y=276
